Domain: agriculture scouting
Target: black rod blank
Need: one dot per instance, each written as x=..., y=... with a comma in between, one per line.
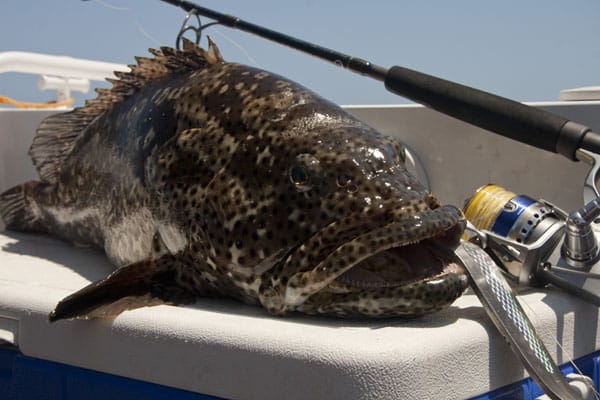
x=506, y=117
x=352, y=63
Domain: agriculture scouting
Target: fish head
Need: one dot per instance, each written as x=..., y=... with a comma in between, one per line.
x=337, y=225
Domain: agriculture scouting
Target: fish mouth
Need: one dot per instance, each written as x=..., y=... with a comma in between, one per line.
x=405, y=267
x=405, y=281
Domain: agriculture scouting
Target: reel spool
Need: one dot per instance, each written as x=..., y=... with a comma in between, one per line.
x=518, y=218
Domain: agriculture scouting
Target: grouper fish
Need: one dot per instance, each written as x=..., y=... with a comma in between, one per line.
x=204, y=178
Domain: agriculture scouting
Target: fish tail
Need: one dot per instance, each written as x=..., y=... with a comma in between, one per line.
x=20, y=210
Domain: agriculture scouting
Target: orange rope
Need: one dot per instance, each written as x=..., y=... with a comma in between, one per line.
x=22, y=104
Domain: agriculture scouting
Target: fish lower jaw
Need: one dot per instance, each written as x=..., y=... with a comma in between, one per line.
x=345, y=285
x=405, y=301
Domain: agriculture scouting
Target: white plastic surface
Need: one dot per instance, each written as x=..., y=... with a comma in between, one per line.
x=17, y=128
x=580, y=94
x=52, y=82
x=64, y=66
x=63, y=86
x=227, y=349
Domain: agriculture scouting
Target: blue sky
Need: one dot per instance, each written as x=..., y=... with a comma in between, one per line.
x=525, y=50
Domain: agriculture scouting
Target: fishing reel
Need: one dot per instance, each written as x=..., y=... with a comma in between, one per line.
x=535, y=242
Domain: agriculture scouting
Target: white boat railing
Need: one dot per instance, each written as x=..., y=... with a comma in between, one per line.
x=60, y=73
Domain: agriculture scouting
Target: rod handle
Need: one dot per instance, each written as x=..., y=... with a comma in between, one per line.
x=506, y=117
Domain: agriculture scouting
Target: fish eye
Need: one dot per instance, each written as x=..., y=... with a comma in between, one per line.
x=299, y=177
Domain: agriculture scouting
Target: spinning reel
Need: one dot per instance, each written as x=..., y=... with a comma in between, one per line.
x=535, y=242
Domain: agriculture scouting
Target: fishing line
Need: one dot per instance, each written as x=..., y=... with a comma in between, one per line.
x=239, y=46
x=134, y=19
x=112, y=7
x=138, y=24
x=145, y=33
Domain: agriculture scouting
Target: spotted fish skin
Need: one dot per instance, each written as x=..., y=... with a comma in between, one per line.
x=205, y=178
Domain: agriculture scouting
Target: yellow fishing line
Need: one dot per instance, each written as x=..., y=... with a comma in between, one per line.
x=486, y=204
x=22, y=104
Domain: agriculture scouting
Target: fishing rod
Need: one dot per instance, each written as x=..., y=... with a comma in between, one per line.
x=503, y=116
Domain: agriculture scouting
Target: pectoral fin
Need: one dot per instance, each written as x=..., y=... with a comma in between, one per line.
x=141, y=284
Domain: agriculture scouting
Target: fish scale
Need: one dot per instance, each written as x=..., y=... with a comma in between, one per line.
x=203, y=178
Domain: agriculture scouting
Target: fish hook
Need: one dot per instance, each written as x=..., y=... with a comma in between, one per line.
x=196, y=28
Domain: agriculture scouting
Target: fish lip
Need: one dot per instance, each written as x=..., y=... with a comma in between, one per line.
x=450, y=223
x=411, y=300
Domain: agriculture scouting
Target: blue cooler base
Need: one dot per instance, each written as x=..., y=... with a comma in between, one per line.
x=527, y=389
x=23, y=377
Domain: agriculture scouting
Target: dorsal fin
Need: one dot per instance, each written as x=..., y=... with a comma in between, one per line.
x=57, y=134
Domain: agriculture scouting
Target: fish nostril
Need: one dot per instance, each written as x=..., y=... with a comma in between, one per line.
x=342, y=180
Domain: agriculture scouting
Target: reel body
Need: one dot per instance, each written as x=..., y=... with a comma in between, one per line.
x=535, y=242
